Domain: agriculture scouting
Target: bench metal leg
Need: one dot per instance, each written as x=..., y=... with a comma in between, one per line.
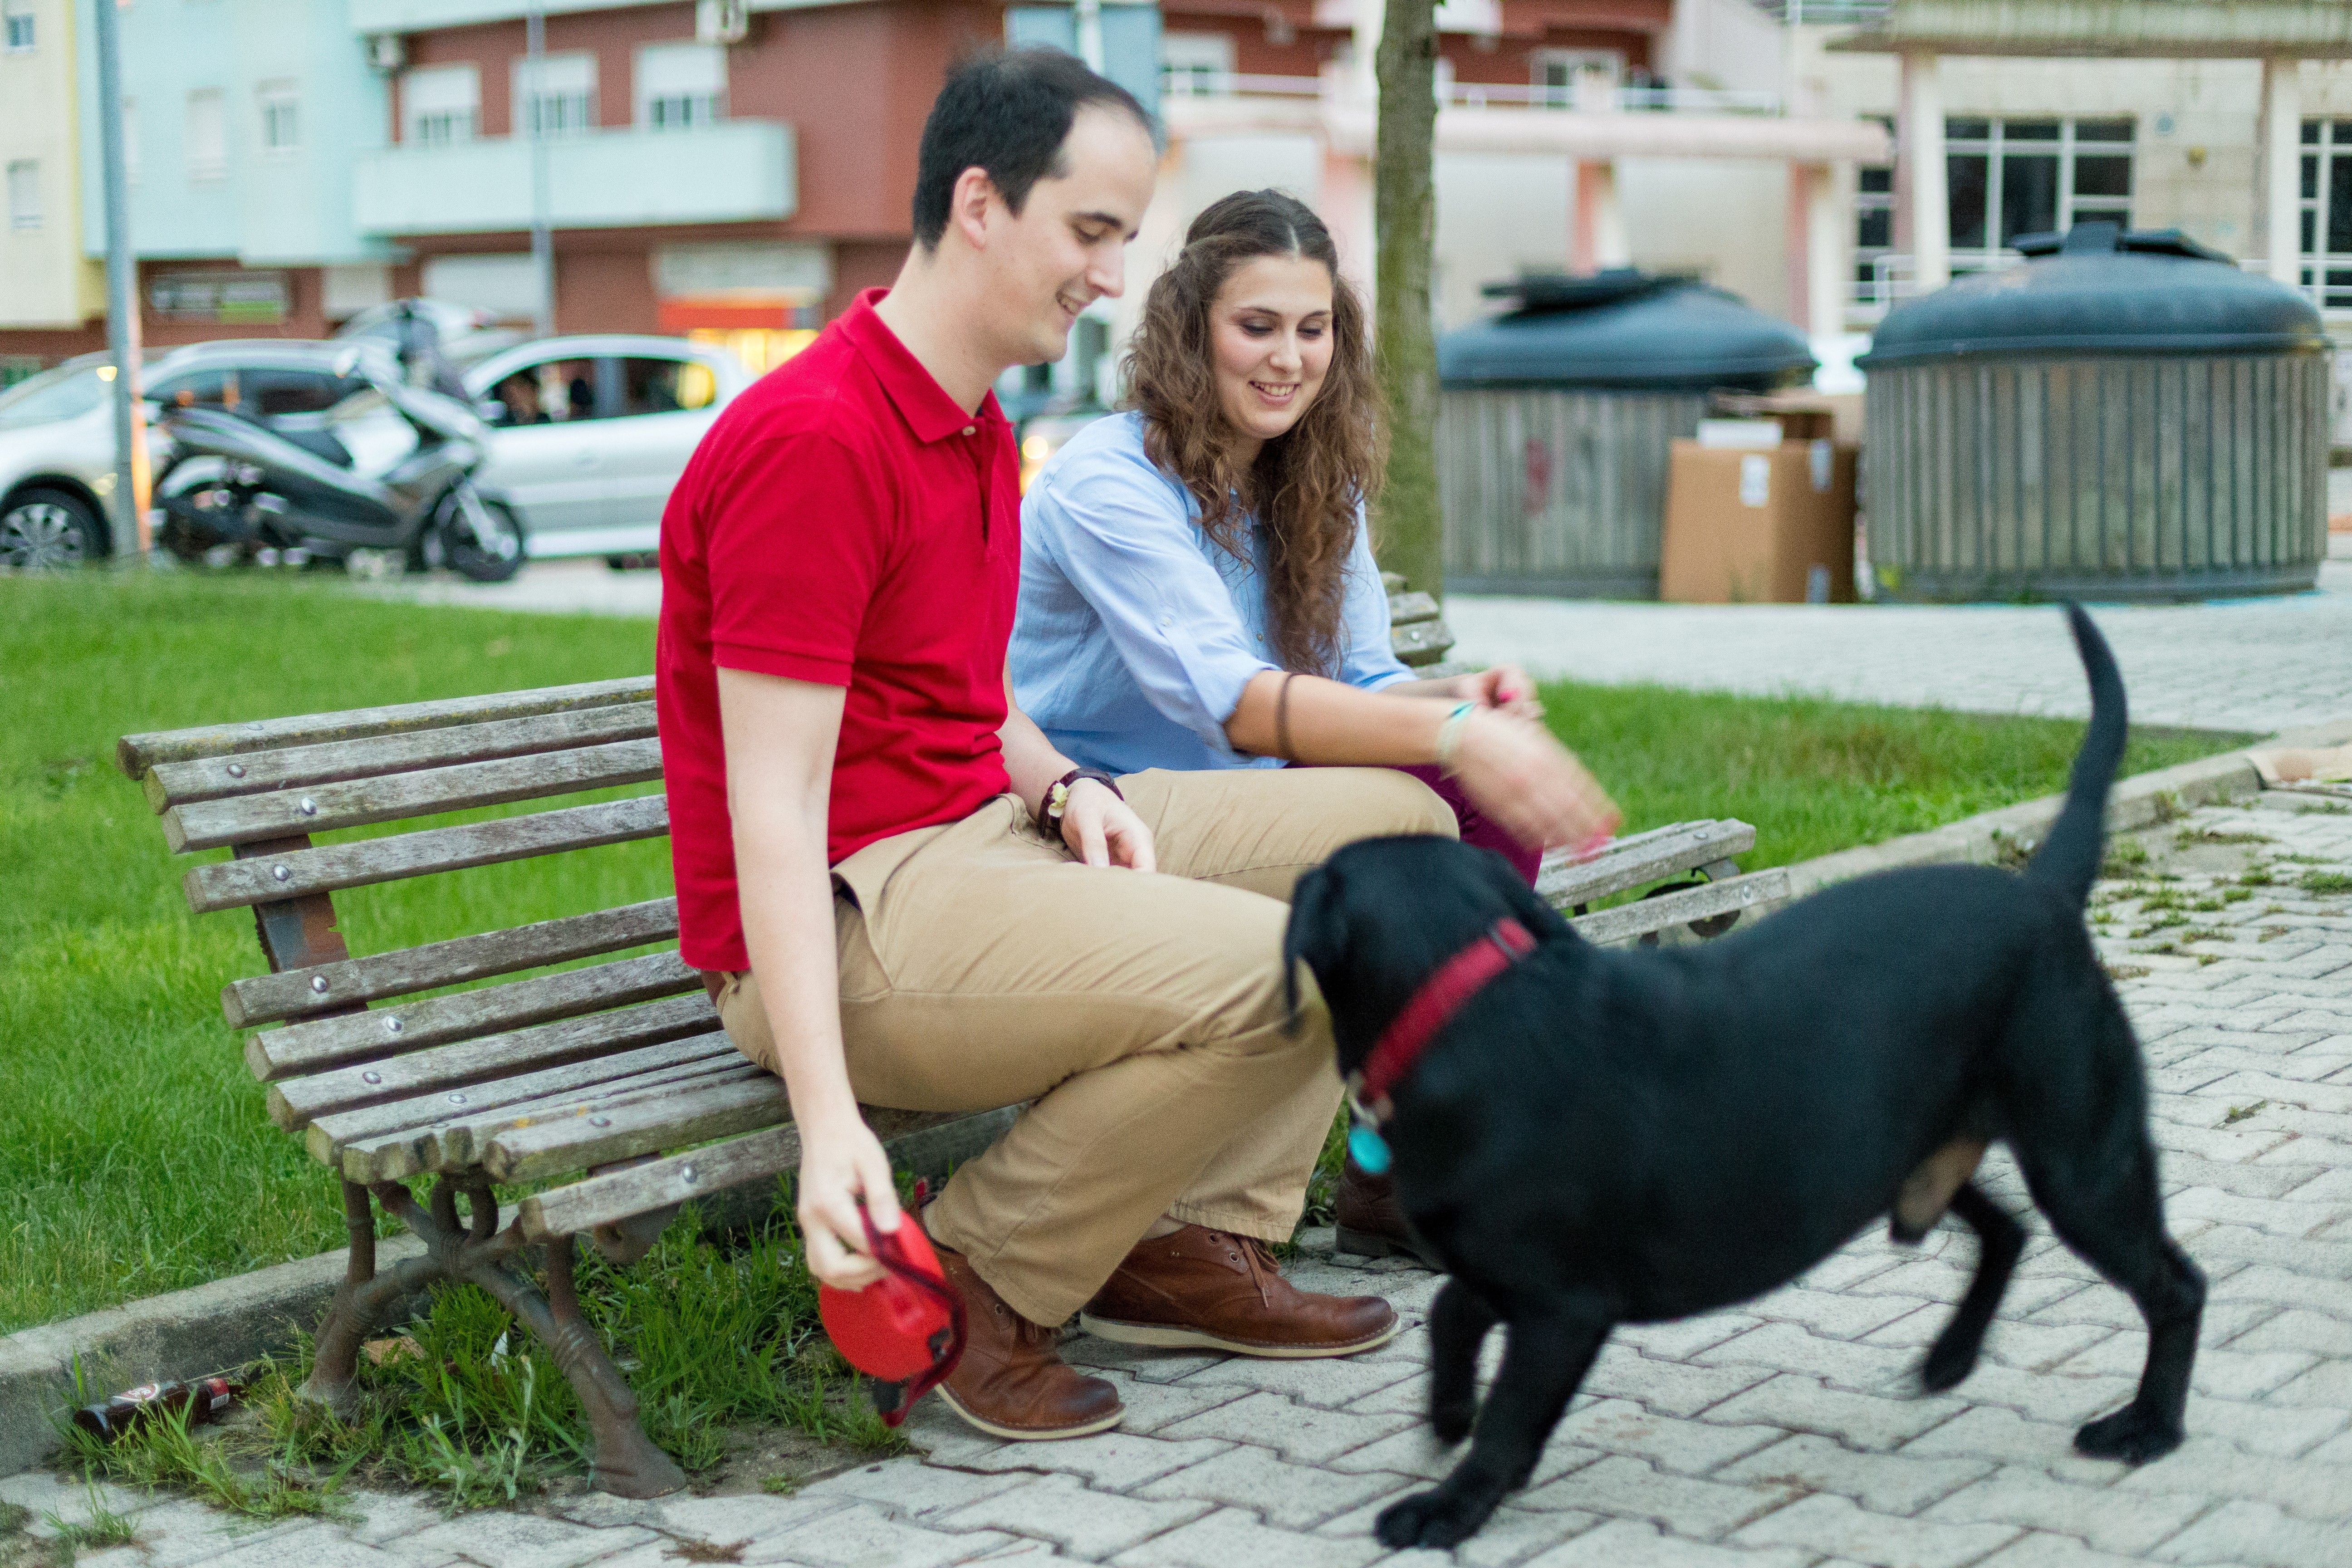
x=628, y=1462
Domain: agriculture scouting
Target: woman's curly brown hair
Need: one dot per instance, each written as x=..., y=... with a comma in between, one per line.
x=1309, y=485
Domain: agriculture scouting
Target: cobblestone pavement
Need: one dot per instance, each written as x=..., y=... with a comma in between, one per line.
x=1784, y=1434
x=2242, y=664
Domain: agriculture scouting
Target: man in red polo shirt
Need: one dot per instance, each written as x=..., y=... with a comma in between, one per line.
x=901, y=893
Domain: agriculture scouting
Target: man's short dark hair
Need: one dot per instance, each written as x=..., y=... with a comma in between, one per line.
x=1007, y=113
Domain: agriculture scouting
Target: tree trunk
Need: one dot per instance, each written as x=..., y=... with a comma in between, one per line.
x=1404, y=210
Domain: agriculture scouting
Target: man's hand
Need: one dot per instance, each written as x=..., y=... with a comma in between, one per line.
x=1522, y=778
x=1101, y=829
x=842, y=1163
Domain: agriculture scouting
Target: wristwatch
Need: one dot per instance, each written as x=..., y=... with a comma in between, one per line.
x=1057, y=798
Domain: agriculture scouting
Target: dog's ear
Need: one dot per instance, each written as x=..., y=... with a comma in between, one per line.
x=1318, y=929
x=1542, y=921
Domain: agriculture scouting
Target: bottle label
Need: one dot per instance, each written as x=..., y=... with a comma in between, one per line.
x=141, y=1394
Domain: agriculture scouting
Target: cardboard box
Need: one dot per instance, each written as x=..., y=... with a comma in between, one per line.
x=1774, y=526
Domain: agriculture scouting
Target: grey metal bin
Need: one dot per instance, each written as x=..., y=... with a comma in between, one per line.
x=2123, y=416
x=1556, y=419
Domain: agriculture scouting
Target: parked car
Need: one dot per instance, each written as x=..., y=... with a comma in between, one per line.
x=56, y=431
x=589, y=433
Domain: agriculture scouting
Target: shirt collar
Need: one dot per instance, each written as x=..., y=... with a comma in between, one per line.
x=920, y=399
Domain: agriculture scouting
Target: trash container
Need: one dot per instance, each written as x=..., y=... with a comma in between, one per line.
x=1556, y=419
x=2125, y=416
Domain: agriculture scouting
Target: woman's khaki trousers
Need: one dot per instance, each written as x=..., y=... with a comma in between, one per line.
x=1143, y=1013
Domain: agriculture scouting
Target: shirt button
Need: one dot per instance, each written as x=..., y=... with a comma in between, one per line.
x=971, y=429
x=1167, y=620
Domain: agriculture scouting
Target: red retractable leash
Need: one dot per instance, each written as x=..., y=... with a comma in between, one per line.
x=904, y=1330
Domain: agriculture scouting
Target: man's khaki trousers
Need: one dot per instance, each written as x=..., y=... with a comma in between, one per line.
x=1144, y=1013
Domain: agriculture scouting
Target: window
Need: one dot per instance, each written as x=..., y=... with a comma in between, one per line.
x=1196, y=65
x=2326, y=200
x=1556, y=73
x=281, y=122
x=207, y=138
x=17, y=24
x=681, y=85
x=557, y=94
x=440, y=104
x=2014, y=177
x=24, y=193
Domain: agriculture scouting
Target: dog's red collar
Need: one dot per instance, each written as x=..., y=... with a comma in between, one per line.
x=1457, y=980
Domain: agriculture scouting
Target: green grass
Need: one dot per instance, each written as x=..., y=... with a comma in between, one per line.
x=1814, y=775
x=134, y=1154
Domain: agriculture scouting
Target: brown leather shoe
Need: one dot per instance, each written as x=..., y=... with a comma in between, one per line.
x=1210, y=1289
x=1370, y=1221
x=1010, y=1383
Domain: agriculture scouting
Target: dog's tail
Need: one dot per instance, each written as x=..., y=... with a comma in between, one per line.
x=2069, y=857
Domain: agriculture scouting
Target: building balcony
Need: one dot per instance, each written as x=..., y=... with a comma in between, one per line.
x=734, y=172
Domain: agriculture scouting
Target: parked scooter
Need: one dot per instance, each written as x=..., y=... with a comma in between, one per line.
x=233, y=483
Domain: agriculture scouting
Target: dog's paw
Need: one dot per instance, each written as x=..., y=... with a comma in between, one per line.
x=1452, y=1421
x=1949, y=1361
x=1439, y=1519
x=2130, y=1434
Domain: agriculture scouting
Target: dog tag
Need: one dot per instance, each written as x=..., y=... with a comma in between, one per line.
x=1371, y=1152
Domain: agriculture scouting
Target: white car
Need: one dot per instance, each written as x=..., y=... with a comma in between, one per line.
x=589, y=433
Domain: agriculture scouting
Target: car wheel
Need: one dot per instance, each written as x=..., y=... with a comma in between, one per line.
x=51, y=531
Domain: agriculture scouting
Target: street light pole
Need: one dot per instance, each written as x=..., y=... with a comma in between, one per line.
x=131, y=475
x=542, y=243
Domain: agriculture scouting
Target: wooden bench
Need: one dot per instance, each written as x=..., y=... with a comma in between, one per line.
x=613, y=1079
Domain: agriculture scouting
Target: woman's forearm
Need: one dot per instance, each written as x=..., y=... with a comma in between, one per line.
x=1331, y=722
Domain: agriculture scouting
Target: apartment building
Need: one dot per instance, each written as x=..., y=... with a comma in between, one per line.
x=47, y=288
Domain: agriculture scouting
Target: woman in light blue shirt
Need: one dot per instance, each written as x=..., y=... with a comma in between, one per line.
x=1197, y=582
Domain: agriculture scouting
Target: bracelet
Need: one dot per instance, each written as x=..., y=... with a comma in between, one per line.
x=1449, y=734
x=1057, y=798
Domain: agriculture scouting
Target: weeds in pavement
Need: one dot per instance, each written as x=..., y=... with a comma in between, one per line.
x=104, y=1527
x=714, y=1332
x=2325, y=882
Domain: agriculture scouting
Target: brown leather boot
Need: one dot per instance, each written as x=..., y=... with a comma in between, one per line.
x=1370, y=1221
x=1211, y=1290
x=1010, y=1383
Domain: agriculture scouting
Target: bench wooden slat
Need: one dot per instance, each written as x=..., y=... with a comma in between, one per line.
x=231, y=884
x=922, y=1141
x=462, y=1146
x=330, y=987
x=453, y=1069
x=1424, y=642
x=358, y=803
x=1642, y=916
x=389, y=1031
x=137, y=753
x=1630, y=862
x=1404, y=609
x=211, y=778
x=690, y=1116
x=387, y=1142
x=332, y=1138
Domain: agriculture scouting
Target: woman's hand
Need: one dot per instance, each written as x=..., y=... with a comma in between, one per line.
x=1506, y=688
x=842, y=1163
x=1101, y=829
x=1516, y=772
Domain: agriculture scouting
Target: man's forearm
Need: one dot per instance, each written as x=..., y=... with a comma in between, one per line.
x=786, y=896
x=1030, y=761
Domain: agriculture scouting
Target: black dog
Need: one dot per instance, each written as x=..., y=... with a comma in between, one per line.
x=1594, y=1137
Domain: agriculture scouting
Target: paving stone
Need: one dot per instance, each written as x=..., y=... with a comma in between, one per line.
x=497, y=1539
x=863, y=1536
x=1075, y=1516
x=1866, y=1421
x=748, y=1516
x=1294, y=1497
x=1629, y=1544
x=1235, y=1538
x=1686, y=1336
x=1628, y=1487
x=1409, y=1397
x=906, y=1487
x=314, y=1545
x=1141, y=1363
x=1687, y=1446
x=2298, y=1330
x=2224, y=1373
x=2022, y=1344
x=1886, y=1483
x=2104, y=1517
x=1153, y=1407
x=1988, y=1432
x=1331, y=1384
x=387, y=1517
x=1411, y=1452
x=2256, y=1532
x=2206, y=1466
x=1113, y=1461
x=1826, y=1523
x=1670, y=1387
x=2036, y=1548
x=1837, y=1315
x=1303, y=1434
x=1510, y=1535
